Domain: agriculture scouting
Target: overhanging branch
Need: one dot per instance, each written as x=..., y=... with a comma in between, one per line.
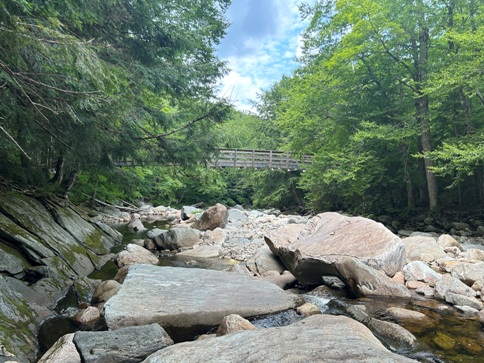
x=14, y=141
x=17, y=82
x=187, y=125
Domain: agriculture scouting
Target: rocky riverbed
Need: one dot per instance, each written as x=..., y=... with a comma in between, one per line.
x=332, y=287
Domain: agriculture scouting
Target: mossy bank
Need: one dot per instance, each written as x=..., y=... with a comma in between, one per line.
x=46, y=247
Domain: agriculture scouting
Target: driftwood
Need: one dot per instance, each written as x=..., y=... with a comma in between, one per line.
x=120, y=207
x=131, y=207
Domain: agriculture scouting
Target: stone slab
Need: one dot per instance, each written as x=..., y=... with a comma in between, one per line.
x=186, y=297
x=319, y=338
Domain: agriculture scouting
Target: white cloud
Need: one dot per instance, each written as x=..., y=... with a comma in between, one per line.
x=261, y=46
x=238, y=89
x=299, y=49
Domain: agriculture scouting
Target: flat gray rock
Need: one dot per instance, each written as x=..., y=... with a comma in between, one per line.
x=188, y=297
x=9, y=262
x=201, y=252
x=127, y=345
x=319, y=338
x=17, y=325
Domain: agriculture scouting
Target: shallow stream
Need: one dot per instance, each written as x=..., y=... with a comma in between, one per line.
x=450, y=337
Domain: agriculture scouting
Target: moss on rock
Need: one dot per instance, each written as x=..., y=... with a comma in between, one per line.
x=17, y=324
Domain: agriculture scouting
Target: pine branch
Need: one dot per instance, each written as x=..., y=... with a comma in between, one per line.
x=187, y=125
x=56, y=88
x=12, y=75
x=14, y=141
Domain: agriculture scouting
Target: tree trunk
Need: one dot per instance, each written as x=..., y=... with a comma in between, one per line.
x=59, y=170
x=466, y=110
x=24, y=160
x=422, y=112
x=408, y=180
x=67, y=183
x=296, y=196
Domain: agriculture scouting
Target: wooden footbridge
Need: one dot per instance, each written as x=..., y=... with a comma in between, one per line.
x=259, y=159
x=249, y=158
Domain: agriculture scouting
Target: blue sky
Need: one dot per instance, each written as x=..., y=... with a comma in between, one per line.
x=261, y=45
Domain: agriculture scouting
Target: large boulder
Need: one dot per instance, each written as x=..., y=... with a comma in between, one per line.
x=126, y=345
x=469, y=272
x=134, y=254
x=423, y=248
x=364, y=281
x=213, y=217
x=264, y=260
x=420, y=271
x=190, y=298
x=63, y=351
x=177, y=238
x=329, y=237
x=318, y=338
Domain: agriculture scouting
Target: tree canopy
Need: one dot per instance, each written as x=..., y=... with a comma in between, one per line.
x=83, y=83
x=388, y=99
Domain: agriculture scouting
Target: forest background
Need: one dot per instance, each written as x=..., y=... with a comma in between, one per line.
x=386, y=97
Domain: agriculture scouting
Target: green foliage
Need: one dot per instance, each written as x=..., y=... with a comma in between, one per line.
x=458, y=160
x=86, y=83
x=379, y=82
x=258, y=188
x=247, y=131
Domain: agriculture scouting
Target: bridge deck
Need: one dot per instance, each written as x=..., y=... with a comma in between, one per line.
x=245, y=158
x=259, y=159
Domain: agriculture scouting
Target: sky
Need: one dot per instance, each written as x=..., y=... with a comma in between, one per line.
x=261, y=45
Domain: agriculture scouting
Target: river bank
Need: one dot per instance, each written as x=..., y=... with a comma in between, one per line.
x=439, y=315
x=435, y=330
x=47, y=248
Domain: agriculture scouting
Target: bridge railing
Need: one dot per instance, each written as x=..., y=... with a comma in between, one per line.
x=248, y=158
x=259, y=159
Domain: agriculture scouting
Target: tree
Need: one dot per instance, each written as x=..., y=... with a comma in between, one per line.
x=369, y=96
x=83, y=83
